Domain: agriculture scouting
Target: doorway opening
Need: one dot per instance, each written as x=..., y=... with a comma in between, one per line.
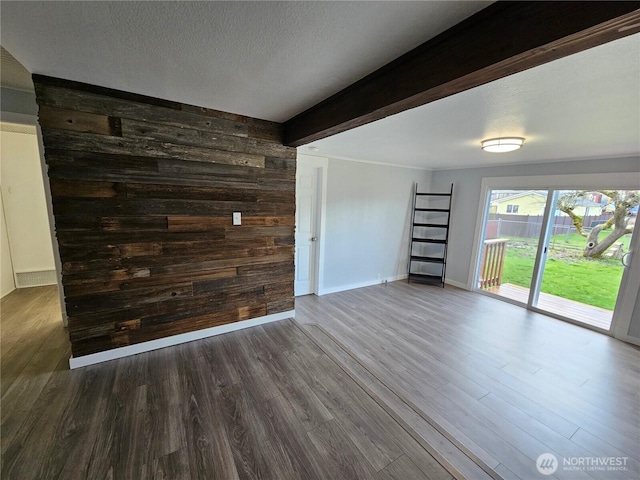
x=311, y=179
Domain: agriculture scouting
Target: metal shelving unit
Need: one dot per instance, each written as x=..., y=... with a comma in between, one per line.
x=429, y=238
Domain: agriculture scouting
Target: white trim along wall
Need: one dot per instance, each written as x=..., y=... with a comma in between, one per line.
x=137, y=348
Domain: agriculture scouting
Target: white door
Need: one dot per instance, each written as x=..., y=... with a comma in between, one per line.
x=306, y=231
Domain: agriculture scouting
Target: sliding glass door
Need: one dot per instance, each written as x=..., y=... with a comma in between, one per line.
x=512, y=234
x=558, y=251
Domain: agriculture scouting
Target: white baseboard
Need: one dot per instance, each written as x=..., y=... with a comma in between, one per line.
x=129, y=350
x=353, y=286
x=456, y=284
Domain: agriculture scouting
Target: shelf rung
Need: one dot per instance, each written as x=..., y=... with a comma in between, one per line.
x=429, y=240
x=425, y=279
x=418, y=258
x=431, y=225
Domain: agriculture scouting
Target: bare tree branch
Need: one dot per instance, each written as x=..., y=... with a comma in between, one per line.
x=623, y=202
x=567, y=204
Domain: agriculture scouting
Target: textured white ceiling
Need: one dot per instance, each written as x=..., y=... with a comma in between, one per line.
x=272, y=60
x=583, y=106
x=268, y=60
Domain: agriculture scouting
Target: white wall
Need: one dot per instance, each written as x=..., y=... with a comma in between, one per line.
x=368, y=207
x=24, y=202
x=7, y=285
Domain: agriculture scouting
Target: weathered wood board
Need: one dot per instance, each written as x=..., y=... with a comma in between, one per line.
x=143, y=192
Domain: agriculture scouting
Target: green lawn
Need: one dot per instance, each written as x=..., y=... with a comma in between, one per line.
x=577, y=241
x=574, y=243
x=593, y=282
x=567, y=273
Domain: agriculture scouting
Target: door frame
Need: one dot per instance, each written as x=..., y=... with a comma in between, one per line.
x=631, y=278
x=322, y=164
x=621, y=323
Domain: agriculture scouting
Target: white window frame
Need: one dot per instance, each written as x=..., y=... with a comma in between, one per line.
x=622, y=180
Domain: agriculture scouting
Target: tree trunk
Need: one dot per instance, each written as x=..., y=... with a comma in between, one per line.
x=594, y=248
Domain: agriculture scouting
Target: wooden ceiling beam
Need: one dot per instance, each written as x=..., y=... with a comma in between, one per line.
x=500, y=40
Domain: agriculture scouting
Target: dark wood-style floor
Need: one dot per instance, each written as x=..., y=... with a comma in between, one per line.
x=262, y=403
x=374, y=382
x=507, y=383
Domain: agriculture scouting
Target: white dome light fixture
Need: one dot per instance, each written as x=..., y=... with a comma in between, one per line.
x=502, y=144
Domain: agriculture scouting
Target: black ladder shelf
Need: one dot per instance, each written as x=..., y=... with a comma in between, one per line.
x=429, y=237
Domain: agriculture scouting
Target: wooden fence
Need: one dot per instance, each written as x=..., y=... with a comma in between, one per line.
x=493, y=254
x=529, y=226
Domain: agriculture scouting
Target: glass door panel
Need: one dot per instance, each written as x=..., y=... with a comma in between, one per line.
x=512, y=233
x=582, y=268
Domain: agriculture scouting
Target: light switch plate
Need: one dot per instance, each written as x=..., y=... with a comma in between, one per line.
x=237, y=218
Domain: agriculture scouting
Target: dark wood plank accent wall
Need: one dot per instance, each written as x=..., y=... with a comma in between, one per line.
x=143, y=194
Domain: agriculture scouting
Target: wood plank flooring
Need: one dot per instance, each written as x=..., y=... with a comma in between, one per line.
x=580, y=312
x=262, y=403
x=509, y=384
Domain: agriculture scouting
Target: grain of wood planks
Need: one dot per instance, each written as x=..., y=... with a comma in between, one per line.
x=143, y=190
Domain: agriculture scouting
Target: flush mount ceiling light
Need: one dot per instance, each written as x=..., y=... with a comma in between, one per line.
x=502, y=144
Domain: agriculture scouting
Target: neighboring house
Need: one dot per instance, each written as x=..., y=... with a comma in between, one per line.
x=533, y=202
x=585, y=208
x=524, y=203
